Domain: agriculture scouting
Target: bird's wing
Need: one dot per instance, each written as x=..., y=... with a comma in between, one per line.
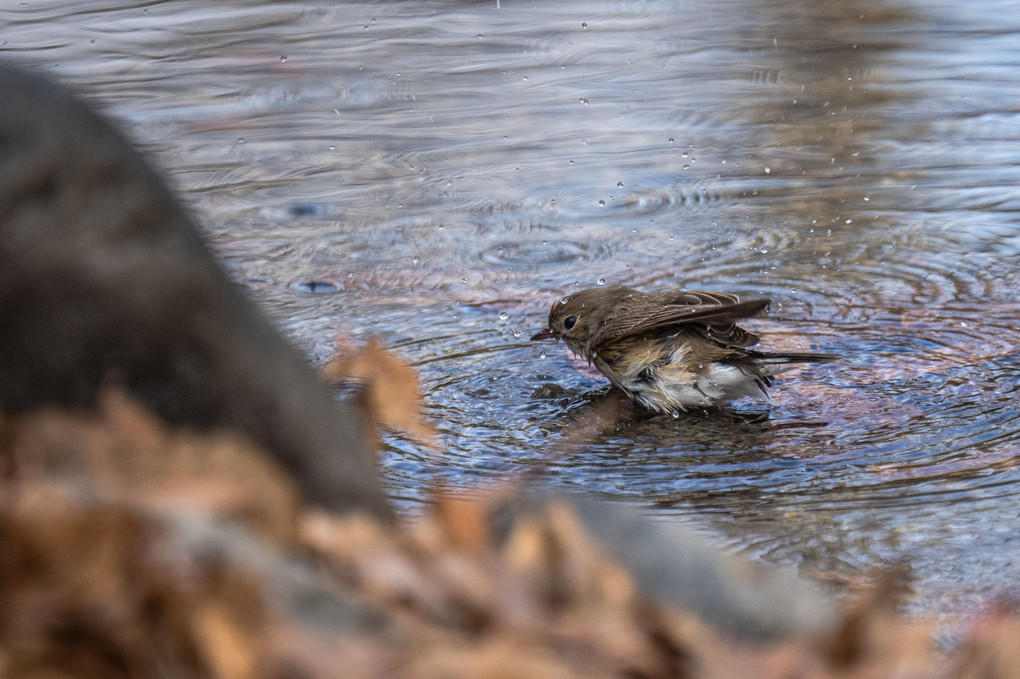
x=713, y=313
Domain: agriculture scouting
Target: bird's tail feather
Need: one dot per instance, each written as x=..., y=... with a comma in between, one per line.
x=783, y=358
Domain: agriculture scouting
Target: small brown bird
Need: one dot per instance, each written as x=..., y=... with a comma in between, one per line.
x=670, y=351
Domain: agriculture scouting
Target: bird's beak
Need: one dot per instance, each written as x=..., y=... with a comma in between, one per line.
x=545, y=334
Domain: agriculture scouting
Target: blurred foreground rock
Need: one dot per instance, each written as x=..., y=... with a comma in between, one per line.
x=671, y=564
x=104, y=279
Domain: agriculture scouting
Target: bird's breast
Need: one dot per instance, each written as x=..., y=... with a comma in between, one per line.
x=635, y=359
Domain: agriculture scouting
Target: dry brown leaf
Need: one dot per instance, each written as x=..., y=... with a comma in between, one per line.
x=587, y=568
x=992, y=650
x=554, y=550
x=855, y=637
x=492, y=659
x=391, y=396
x=465, y=522
x=228, y=647
x=90, y=589
x=125, y=453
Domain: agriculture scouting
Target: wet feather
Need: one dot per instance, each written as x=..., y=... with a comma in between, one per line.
x=670, y=350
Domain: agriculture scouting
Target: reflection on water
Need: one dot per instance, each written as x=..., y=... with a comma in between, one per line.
x=436, y=173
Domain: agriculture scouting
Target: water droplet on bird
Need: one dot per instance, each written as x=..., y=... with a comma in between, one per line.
x=675, y=414
x=601, y=281
x=503, y=315
x=564, y=300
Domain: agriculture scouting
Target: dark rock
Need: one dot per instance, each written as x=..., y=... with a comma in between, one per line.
x=295, y=588
x=671, y=563
x=104, y=277
x=548, y=390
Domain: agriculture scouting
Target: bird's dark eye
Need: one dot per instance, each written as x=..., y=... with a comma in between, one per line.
x=569, y=322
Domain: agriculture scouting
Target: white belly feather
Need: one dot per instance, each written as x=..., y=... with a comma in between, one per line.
x=722, y=384
x=666, y=389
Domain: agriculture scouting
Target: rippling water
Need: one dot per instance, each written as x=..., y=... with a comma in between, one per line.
x=437, y=173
